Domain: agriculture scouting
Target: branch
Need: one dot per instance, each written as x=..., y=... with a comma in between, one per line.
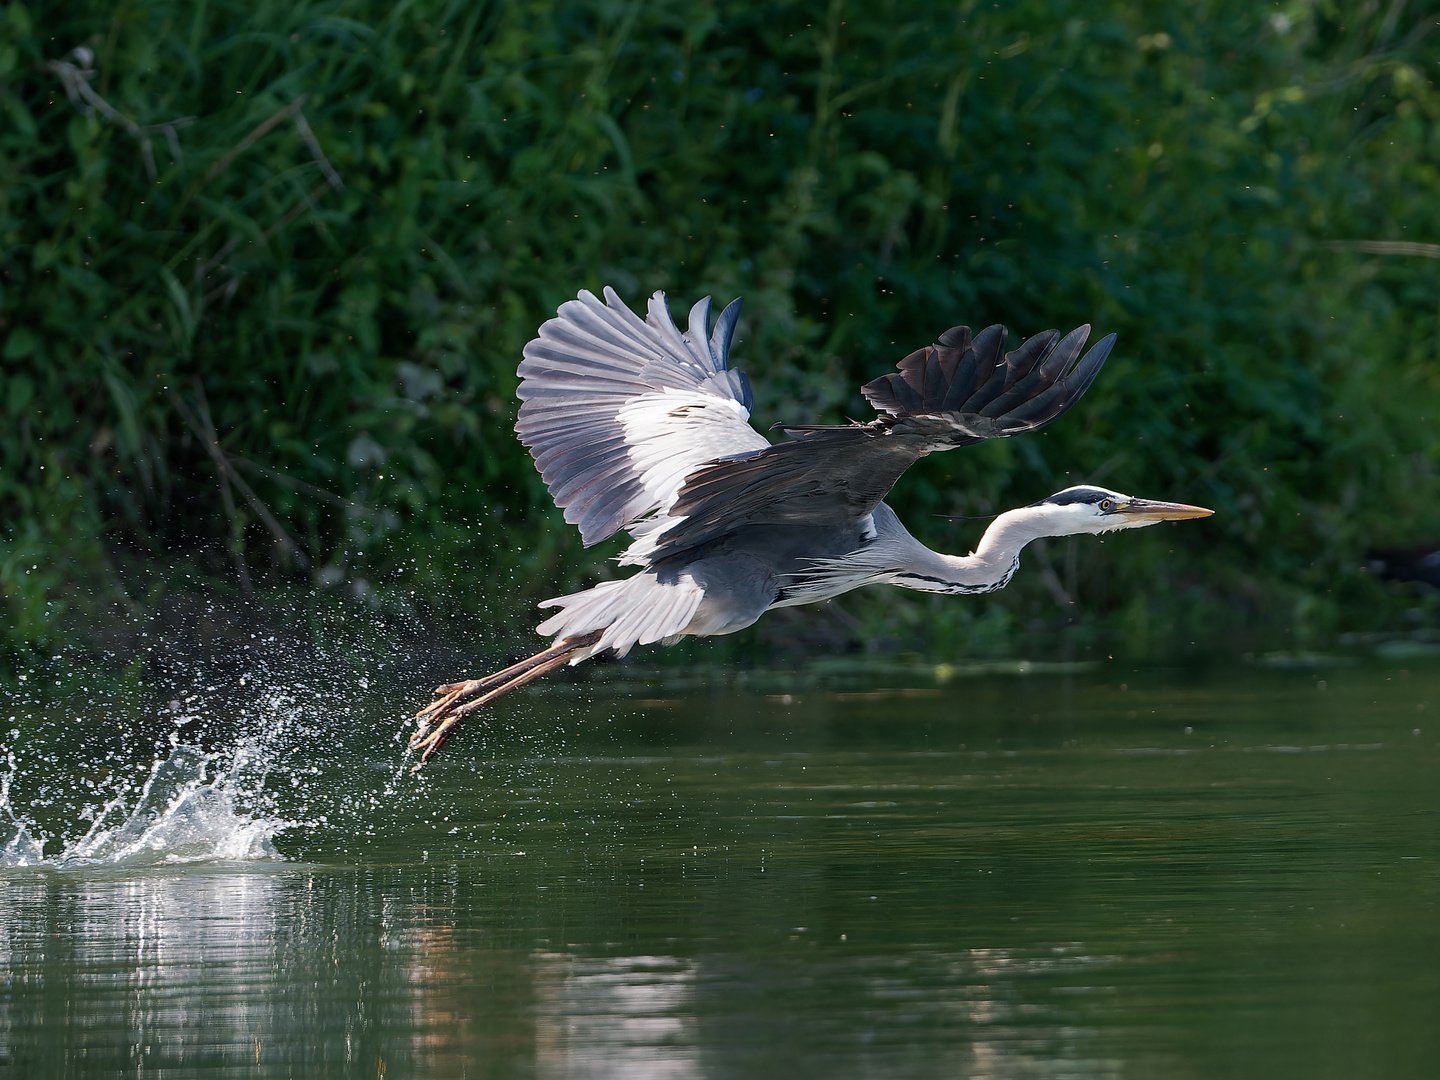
x=302, y=486
x=250, y=140
x=332, y=180
x=82, y=95
x=1386, y=247
x=303, y=126
x=205, y=432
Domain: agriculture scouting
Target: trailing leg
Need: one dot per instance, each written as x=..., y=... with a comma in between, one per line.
x=438, y=720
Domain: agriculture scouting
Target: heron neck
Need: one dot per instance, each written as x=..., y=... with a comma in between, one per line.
x=993, y=562
x=1011, y=531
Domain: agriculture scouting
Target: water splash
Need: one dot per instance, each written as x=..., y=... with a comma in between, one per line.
x=189, y=809
x=186, y=812
x=237, y=744
x=205, y=767
x=20, y=848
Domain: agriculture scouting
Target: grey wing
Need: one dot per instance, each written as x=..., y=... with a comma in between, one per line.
x=959, y=391
x=617, y=410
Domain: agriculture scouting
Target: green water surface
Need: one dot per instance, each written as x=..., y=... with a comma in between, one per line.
x=1101, y=872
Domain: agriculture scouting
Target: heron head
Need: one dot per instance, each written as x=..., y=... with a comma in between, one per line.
x=1087, y=509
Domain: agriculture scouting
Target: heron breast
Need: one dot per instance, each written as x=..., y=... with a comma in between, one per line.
x=738, y=589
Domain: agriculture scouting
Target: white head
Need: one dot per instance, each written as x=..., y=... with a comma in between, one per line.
x=1087, y=509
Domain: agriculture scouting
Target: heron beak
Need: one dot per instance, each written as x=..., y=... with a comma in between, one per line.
x=1147, y=511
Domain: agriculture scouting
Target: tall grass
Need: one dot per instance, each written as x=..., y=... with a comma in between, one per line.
x=267, y=270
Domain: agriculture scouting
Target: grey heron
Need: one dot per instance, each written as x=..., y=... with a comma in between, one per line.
x=639, y=426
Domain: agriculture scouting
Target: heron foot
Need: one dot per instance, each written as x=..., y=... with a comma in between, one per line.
x=437, y=721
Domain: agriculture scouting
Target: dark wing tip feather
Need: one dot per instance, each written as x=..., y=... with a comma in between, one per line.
x=1056, y=399
x=984, y=391
x=957, y=338
x=724, y=331
x=1083, y=373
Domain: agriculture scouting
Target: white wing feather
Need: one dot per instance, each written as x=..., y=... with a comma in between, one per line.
x=618, y=411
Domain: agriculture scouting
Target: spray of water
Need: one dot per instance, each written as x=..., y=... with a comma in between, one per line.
x=238, y=730
x=20, y=848
x=209, y=762
x=191, y=805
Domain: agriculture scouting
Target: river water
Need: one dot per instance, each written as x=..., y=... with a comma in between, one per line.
x=1014, y=871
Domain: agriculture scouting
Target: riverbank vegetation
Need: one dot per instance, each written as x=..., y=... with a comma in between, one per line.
x=267, y=269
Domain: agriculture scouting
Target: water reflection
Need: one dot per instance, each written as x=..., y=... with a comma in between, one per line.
x=290, y=969
x=216, y=969
x=628, y=1016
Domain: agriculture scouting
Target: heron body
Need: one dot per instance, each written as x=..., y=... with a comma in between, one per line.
x=638, y=426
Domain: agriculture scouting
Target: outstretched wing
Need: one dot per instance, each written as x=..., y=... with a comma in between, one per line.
x=618, y=410
x=950, y=394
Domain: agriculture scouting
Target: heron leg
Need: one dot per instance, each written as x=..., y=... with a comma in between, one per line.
x=458, y=691
x=439, y=719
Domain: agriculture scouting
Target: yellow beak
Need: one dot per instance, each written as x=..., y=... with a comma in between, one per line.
x=1146, y=510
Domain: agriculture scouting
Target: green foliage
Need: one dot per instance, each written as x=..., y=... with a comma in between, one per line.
x=177, y=260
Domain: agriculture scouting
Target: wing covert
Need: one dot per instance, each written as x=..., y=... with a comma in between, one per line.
x=959, y=391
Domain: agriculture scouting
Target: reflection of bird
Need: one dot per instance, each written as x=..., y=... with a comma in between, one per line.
x=635, y=425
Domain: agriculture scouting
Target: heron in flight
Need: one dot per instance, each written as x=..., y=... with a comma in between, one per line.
x=637, y=425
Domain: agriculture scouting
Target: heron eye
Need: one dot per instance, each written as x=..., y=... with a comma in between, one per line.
x=1106, y=505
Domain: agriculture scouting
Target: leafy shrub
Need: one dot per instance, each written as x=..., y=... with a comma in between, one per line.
x=267, y=270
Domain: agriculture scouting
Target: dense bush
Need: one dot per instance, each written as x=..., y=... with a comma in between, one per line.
x=316, y=235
